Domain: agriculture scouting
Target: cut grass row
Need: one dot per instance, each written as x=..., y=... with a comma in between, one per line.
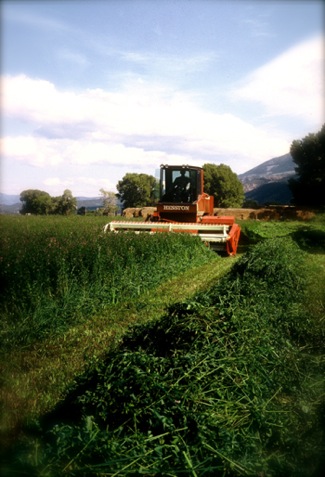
x=35, y=379
x=228, y=383
x=39, y=376
x=67, y=290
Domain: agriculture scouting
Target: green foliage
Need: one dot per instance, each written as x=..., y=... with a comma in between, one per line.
x=221, y=182
x=65, y=204
x=309, y=156
x=38, y=202
x=56, y=271
x=109, y=202
x=137, y=190
x=215, y=388
x=250, y=204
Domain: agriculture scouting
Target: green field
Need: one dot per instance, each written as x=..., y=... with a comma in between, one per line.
x=152, y=355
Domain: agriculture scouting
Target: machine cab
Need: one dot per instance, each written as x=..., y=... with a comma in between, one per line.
x=180, y=184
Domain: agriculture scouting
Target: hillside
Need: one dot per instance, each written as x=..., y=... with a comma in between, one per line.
x=268, y=182
x=275, y=192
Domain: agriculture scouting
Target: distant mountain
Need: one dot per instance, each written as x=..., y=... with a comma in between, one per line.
x=275, y=170
x=90, y=202
x=8, y=199
x=9, y=204
x=10, y=209
x=272, y=193
x=268, y=182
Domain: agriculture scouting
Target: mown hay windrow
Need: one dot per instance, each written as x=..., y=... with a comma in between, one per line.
x=215, y=388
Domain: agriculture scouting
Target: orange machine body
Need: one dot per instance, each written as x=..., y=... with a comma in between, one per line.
x=184, y=207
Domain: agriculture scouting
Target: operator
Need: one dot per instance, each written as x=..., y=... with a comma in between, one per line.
x=181, y=186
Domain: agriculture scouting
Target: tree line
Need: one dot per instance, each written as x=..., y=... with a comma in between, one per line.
x=38, y=202
x=141, y=190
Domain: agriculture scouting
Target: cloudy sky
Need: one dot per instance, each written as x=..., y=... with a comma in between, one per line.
x=92, y=90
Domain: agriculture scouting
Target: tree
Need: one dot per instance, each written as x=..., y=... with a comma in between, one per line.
x=109, y=202
x=65, y=204
x=36, y=202
x=309, y=156
x=39, y=202
x=221, y=182
x=137, y=190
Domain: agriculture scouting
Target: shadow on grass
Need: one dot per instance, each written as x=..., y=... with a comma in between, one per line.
x=310, y=240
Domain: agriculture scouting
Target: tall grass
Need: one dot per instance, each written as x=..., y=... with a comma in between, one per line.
x=220, y=386
x=56, y=272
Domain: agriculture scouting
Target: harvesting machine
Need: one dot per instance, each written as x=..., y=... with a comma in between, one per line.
x=185, y=207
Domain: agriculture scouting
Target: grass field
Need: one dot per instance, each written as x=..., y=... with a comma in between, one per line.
x=120, y=358
x=57, y=272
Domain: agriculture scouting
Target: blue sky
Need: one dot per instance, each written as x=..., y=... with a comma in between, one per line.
x=92, y=90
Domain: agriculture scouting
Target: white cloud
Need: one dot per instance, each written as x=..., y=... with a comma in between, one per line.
x=56, y=181
x=38, y=152
x=38, y=101
x=290, y=85
x=142, y=124
x=81, y=185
